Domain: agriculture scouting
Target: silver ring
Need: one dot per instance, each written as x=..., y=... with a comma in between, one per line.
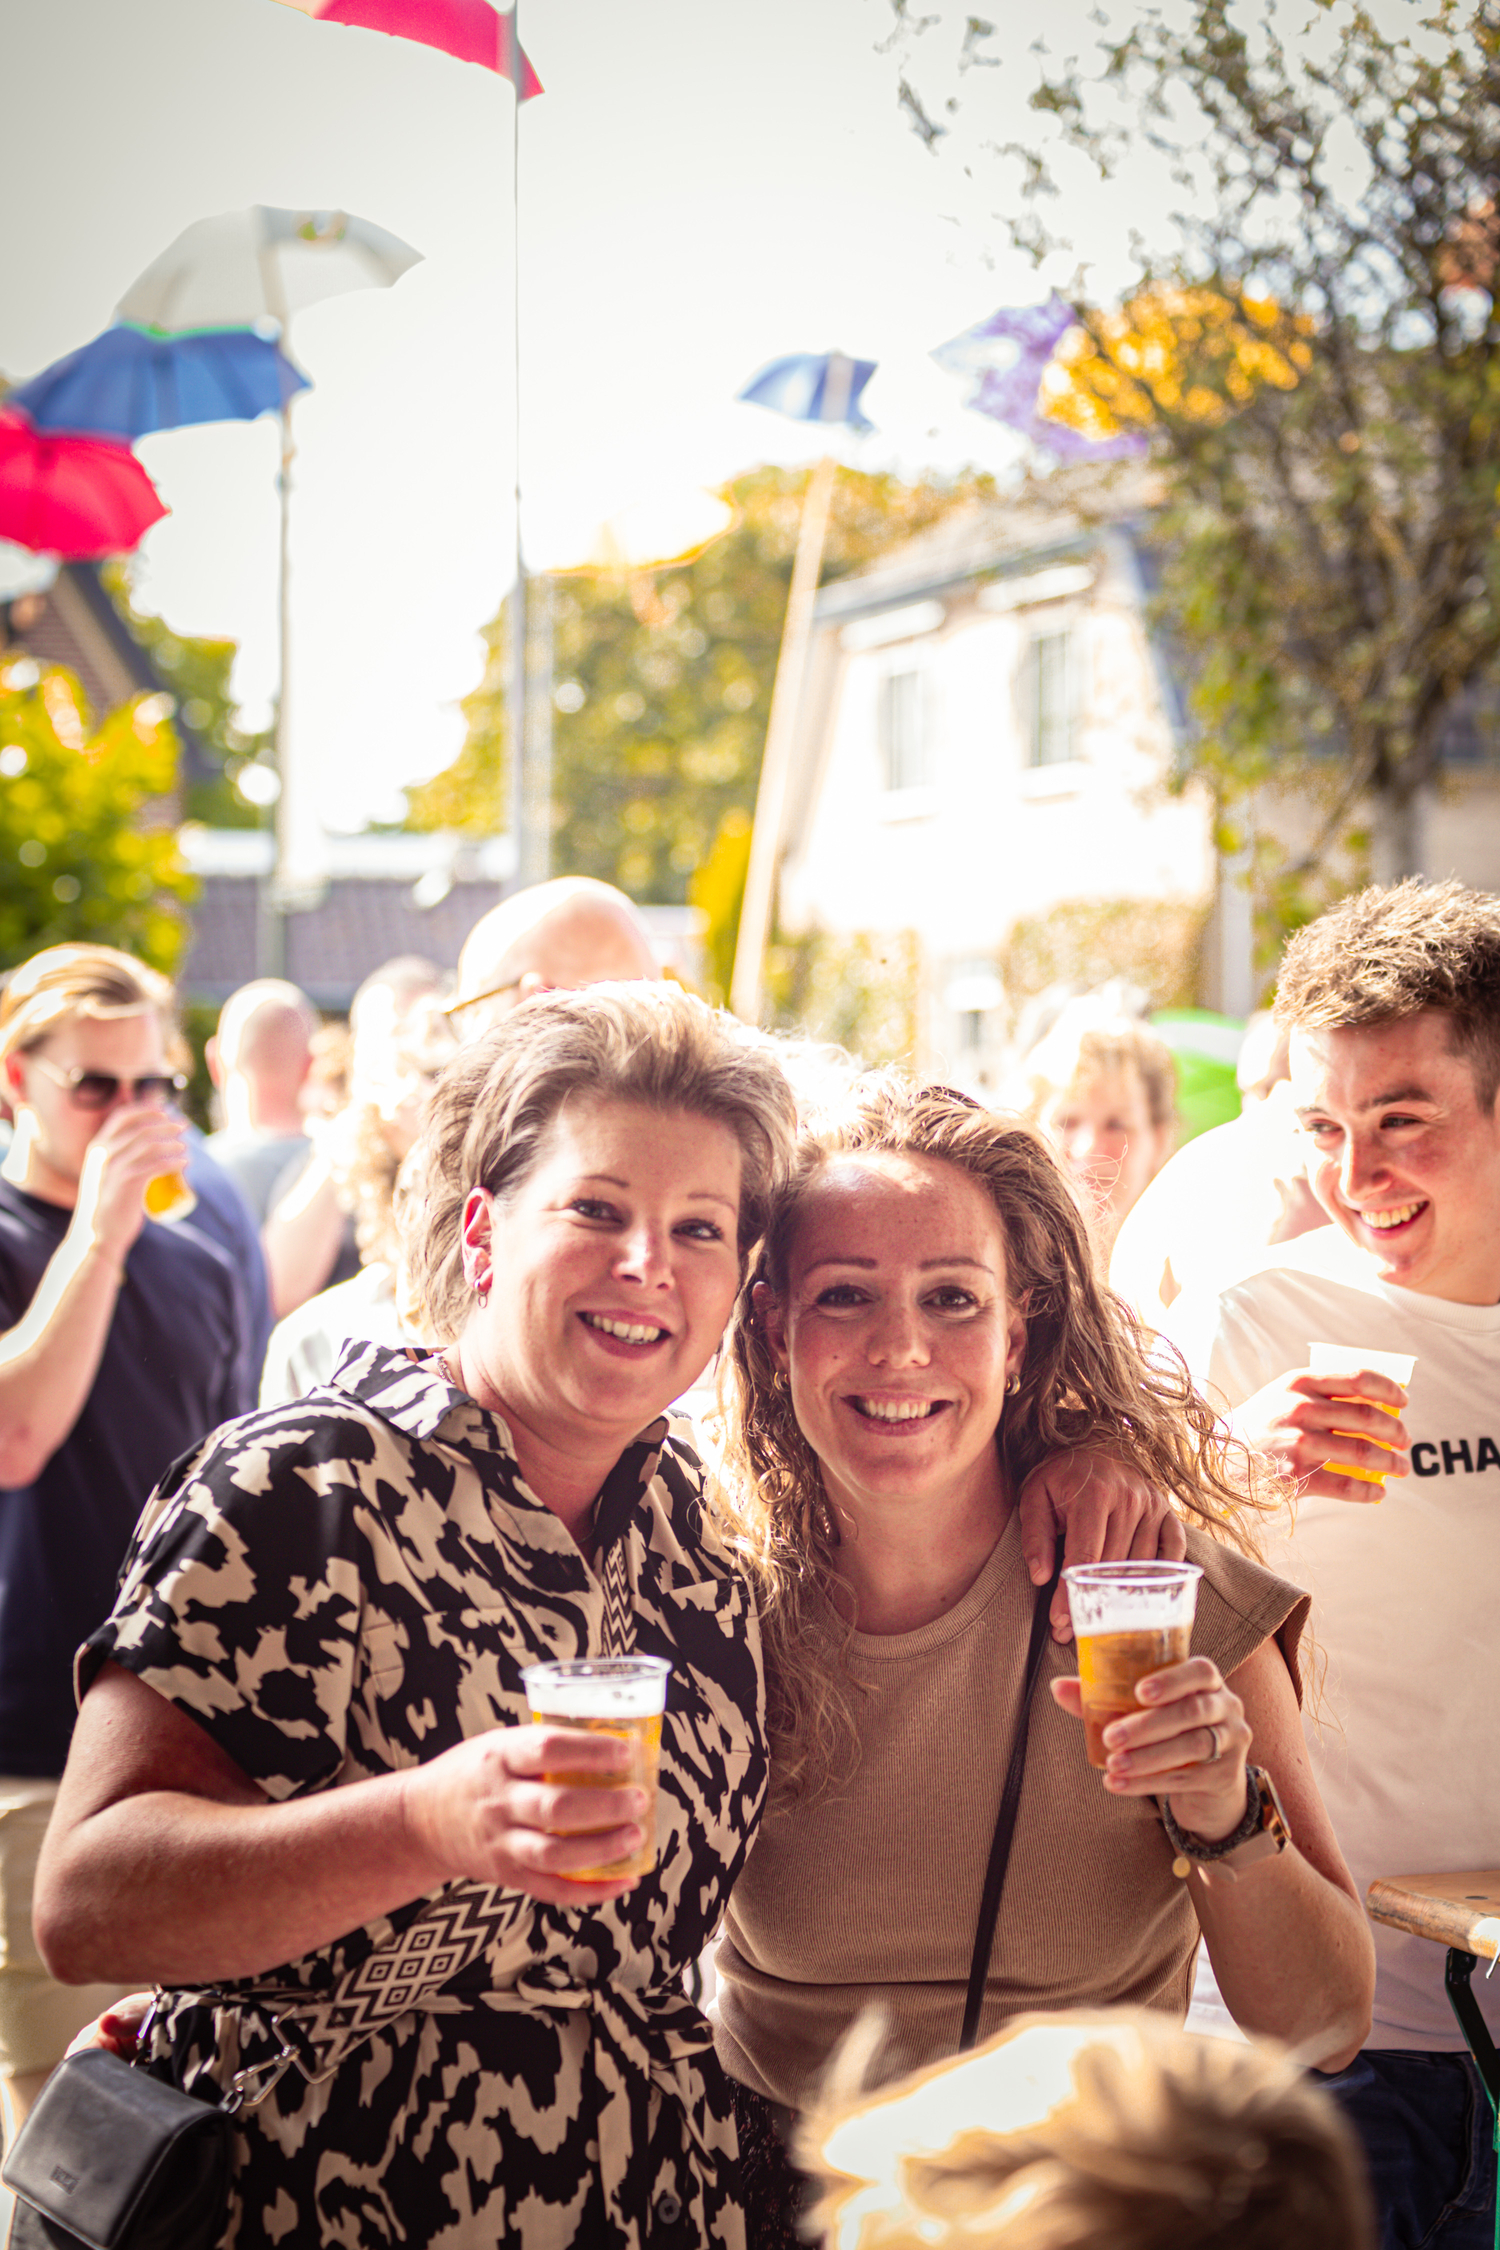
x=1217, y=1751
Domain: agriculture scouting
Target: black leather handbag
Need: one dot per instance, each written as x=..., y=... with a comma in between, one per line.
x=113, y=2158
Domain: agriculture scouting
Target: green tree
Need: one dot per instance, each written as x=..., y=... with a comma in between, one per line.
x=662, y=693
x=82, y=858
x=1315, y=361
x=198, y=673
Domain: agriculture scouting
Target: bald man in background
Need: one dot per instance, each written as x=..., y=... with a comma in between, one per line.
x=551, y=937
x=258, y=1060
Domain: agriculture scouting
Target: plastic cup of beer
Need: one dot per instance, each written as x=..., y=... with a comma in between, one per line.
x=169, y=1198
x=623, y=1695
x=1348, y=1359
x=1129, y=1619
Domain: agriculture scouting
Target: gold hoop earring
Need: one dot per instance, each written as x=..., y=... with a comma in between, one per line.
x=1012, y=1385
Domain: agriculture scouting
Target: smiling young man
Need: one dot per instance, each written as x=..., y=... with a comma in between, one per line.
x=121, y=1345
x=1393, y=1004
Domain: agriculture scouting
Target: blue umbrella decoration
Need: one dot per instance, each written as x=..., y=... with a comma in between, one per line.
x=799, y=387
x=131, y=381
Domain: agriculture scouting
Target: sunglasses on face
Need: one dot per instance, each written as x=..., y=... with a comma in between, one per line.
x=101, y=1089
x=456, y=1008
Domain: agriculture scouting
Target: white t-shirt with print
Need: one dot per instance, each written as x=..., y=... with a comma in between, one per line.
x=1406, y=1595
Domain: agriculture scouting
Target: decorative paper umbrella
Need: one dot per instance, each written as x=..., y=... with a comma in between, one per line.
x=128, y=382
x=807, y=387
x=261, y=264
x=78, y=497
x=233, y=272
x=1007, y=360
x=813, y=387
x=470, y=29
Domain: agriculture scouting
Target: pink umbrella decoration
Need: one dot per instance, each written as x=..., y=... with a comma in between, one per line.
x=471, y=30
x=78, y=497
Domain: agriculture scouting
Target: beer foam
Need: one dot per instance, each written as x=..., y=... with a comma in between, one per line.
x=596, y=1699
x=607, y=1687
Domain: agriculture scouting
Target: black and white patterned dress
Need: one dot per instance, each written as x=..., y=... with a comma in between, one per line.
x=348, y=1585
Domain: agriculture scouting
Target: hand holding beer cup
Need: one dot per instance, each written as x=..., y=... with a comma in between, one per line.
x=1340, y=1435
x=1158, y=1722
x=1353, y=1366
x=622, y=1697
x=138, y=1144
x=489, y=1809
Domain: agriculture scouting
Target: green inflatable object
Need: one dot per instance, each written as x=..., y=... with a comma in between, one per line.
x=1205, y=1048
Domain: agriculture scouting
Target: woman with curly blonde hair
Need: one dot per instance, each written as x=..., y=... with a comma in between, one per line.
x=922, y=1327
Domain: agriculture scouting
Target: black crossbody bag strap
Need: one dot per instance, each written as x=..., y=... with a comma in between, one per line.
x=1005, y=1824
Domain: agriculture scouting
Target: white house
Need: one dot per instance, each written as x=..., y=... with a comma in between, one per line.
x=986, y=733
x=989, y=731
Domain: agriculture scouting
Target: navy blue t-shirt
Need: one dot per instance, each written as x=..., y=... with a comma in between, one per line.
x=172, y=1369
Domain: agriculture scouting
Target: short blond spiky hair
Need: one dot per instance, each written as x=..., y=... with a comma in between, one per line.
x=82, y=980
x=1386, y=954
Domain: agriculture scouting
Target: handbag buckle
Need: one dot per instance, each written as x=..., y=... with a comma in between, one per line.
x=237, y=2094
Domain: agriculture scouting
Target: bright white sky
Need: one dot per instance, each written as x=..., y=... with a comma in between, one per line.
x=707, y=184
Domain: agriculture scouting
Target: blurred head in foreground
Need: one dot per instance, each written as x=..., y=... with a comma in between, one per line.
x=1074, y=2132
x=551, y=937
x=1104, y=1091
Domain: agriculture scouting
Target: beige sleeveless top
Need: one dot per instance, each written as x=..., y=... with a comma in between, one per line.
x=869, y=1897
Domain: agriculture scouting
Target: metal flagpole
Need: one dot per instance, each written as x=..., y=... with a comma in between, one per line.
x=271, y=905
x=515, y=700
x=786, y=697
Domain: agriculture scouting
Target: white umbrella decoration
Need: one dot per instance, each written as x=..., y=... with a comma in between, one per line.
x=233, y=271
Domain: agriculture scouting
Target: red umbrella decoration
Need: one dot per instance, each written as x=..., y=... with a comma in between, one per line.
x=78, y=497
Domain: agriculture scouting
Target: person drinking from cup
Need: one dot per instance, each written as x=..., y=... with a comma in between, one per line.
x=295, y=1763
x=922, y=1326
x=1392, y=1003
x=124, y=1343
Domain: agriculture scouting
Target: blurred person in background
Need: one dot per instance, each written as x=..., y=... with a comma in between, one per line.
x=378, y=1305
x=311, y=1230
x=123, y=1346
x=1103, y=1090
x=1221, y=1204
x=259, y=1059
x=550, y=937
x=1075, y=2132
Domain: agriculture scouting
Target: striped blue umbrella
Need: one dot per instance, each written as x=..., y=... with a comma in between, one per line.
x=804, y=388
x=131, y=380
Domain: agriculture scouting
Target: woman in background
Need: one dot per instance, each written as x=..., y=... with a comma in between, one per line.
x=1103, y=1090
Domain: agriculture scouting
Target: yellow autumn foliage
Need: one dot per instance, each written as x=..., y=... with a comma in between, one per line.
x=1194, y=352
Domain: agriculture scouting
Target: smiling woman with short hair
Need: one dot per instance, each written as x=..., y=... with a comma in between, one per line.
x=303, y=1753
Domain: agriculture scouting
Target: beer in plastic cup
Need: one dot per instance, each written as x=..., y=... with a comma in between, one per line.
x=169, y=1198
x=1348, y=1359
x=623, y=1695
x=1129, y=1619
